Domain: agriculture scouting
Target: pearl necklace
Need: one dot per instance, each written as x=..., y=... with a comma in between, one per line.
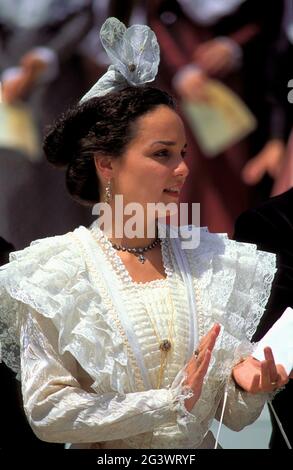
x=138, y=252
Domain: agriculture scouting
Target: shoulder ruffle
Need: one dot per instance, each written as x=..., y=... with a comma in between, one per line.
x=235, y=281
x=51, y=277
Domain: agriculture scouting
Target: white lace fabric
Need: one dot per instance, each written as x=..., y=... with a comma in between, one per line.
x=81, y=383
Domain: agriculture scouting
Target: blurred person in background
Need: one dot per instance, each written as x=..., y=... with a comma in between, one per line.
x=274, y=159
x=284, y=175
x=223, y=40
x=270, y=224
x=94, y=57
x=39, y=67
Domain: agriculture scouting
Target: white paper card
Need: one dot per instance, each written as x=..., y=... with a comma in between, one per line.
x=280, y=339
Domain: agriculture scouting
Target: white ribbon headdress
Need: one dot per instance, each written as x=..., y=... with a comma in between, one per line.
x=134, y=53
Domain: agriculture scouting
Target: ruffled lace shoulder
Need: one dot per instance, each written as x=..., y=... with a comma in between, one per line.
x=52, y=277
x=235, y=282
x=42, y=277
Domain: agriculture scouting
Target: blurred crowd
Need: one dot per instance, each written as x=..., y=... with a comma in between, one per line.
x=49, y=56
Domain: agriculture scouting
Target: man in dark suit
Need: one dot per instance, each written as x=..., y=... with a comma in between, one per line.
x=15, y=431
x=270, y=226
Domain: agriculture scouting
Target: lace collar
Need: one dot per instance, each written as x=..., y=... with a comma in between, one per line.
x=118, y=266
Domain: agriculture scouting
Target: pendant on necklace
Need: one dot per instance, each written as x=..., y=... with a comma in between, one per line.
x=165, y=345
x=141, y=258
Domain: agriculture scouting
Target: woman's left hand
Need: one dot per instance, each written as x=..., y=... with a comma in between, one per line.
x=255, y=376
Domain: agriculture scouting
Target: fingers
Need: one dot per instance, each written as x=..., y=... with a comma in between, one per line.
x=195, y=381
x=208, y=341
x=215, y=330
x=207, y=344
x=213, y=336
x=213, y=64
x=272, y=376
x=191, y=85
x=277, y=372
x=271, y=366
x=201, y=370
x=14, y=89
x=193, y=91
x=265, y=381
x=205, y=349
x=283, y=376
x=203, y=367
x=196, y=371
x=197, y=367
x=198, y=361
x=255, y=384
x=269, y=159
x=254, y=170
x=213, y=57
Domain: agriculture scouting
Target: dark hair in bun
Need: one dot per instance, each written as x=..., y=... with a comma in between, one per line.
x=101, y=125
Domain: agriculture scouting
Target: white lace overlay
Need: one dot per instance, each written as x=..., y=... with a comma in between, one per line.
x=51, y=292
x=235, y=280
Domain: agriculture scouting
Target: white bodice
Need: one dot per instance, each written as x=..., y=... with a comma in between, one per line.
x=156, y=321
x=85, y=334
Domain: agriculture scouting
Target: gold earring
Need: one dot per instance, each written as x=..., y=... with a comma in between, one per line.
x=108, y=195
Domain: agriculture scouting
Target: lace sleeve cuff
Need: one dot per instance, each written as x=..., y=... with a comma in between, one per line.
x=180, y=393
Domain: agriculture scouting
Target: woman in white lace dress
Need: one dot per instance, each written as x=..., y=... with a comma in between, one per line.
x=106, y=326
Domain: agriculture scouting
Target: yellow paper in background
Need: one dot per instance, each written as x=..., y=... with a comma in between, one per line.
x=220, y=121
x=18, y=130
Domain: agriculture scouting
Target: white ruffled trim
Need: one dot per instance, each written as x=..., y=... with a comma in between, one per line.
x=189, y=431
x=51, y=277
x=180, y=393
x=235, y=281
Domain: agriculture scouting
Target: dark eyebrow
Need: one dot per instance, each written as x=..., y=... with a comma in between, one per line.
x=165, y=142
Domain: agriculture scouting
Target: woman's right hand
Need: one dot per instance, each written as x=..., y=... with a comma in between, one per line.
x=197, y=367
